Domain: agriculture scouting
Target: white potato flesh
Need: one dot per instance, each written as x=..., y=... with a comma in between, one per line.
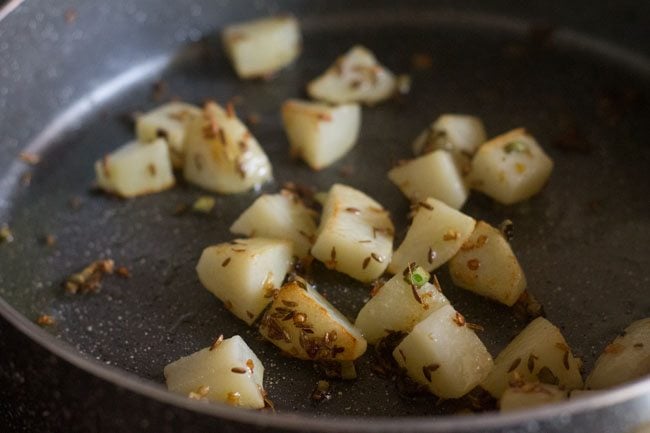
x=456, y=133
x=510, y=168
x=222, y=155
x=395, y=306
x=355, y=235
x=581, y=393
x=538, y=353
x=432, y=175
x=318, y=133
x=262, y=47
x=169, y=121
x=528, y=395
x=136, y=169
x=244, y=273
x=354, y=77
x=624, y=359
x=444, y=354
x=487, y=266
x=305, y=325
x=228, y=372
x=436, y=234
x=279, y=216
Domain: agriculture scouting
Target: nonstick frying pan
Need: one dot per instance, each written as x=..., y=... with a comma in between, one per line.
x=71, y=74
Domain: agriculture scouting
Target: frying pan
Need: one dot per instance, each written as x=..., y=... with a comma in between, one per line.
x=575, y=74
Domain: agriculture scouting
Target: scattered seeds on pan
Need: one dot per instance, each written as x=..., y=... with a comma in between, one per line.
x=89, y=279
x=6, y=235
x=29, y=158
x=45, y=320
x=321, y=392
x=204, y=204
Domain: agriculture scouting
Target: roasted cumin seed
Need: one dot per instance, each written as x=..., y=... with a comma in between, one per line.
x=425, y=205
x=431, y=255
x=545, y=375
x=216, y=343
x=225, y=262
x=428, y=369
x=289, y=304
x=376, y=257
x=365, y=263
x=459, y=319
x=531, y=362
x=416, y=295
x=565, y=360
x=353, y=210
x=514, y=365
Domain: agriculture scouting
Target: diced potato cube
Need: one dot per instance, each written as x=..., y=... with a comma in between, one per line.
x=436, y=234
x=318, y=133
x=432, y=175
x=456, y=133
x=222, y=155
x=136, y=169
x=625, y=359
x=486, y=265
x=510, y=168
x=355, y=234
x=400, y=304
x=245, y=273
x=444, y=354
x=354, y=77
x=227, y=372
x=262, y=47
x=305, y=325
x=169, y=121
x=538, y=353
x=279, y=216
x=527, y=395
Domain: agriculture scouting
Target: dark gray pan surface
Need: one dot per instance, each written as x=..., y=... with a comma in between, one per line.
x=583, y=242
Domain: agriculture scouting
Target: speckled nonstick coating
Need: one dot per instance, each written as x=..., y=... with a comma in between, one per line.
x=68, y=88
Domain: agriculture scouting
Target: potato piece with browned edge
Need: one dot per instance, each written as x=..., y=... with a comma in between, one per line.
x=434, y=174
x=444, y=354
x=169, y=121
x=302, y=323
x=525, y=395
x=318, y=133
x=136, y=169
x=436, y=234
x=279, y=216
x=226, y=372
x=403, y=301
x=624, y=359
x=510, y=168
x=261, y=47
x=245, y=273
x=355, y=235
x=459, y=134
x=356, y=76
x=538, y=353
x=221, y=154
x=487, y=266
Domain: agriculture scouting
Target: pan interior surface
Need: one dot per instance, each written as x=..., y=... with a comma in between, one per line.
x=583, y=242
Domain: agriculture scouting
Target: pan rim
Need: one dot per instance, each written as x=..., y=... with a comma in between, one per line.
x=297, y=421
